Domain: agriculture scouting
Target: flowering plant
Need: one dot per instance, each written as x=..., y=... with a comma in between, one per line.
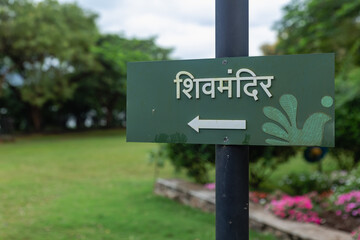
x=298, y=208
x=356, y=234
x=210, y=186
x=303, y=183
x=348, y=204
x=258, y=197
x=344, y=182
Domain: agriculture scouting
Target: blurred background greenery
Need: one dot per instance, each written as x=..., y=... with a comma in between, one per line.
x=58, y=71
x=60, y=74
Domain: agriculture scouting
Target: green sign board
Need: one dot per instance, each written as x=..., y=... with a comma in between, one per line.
x=272, y=100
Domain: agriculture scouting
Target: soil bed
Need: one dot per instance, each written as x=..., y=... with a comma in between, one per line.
x=337, y=222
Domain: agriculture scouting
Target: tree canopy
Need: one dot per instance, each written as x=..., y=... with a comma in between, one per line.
x=54, y=63
x=45, y=43
x=319, y=26
x=311, y=26
x=103, y=87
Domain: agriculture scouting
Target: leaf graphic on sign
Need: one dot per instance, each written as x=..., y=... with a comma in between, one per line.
x=285, y=129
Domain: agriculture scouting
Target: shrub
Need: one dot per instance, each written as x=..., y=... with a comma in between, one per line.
x=264, y=161
x=347, y=152
x=303, y=183
x=348, y=204
x=197, y=159
x=298, y=208
x=344, y=182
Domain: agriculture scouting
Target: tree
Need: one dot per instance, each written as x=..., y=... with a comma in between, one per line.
x=311, y=26
x=45, y=43
x=315, y=26
x=103, y=87
x=113, y=52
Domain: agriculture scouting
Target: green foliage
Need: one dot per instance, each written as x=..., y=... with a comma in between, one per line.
x=66, y=67
x=36, y=31
x=311, y=26
x=339, y=182
x=347, y=119
x=42, y=87
x=102, y=87
x=344, y=182
x=314, y=26
x=265, y=160
x=196, y=159
x=303, y=183
x=45, y=42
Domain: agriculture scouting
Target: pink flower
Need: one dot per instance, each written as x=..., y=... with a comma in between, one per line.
x=298, y=207
x=352, y=205
x=349, y=203
x=354, y=213
x=210, y=186
x=356, y=234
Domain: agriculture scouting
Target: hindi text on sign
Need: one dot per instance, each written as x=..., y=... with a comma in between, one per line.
x=209, y=84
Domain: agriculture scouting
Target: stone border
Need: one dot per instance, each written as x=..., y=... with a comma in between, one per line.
x=190, y=194
x=197, y=196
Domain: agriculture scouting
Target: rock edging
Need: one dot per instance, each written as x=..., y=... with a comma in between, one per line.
x=197, y=196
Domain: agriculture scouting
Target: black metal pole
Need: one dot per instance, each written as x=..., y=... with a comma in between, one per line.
x=232, y=28
x=232, y=162
x=232, y=192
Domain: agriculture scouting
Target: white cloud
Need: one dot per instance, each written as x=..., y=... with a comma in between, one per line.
x=263, y=15
x=188, y=39
x=258, y=36
x=187, y=25
x=265, y=12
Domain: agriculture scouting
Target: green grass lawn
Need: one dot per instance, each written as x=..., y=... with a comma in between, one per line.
x=90, y=186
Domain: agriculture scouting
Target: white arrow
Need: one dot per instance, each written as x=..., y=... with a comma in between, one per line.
x=197, y=124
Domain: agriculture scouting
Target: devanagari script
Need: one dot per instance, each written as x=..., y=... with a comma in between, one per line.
x=244, y=79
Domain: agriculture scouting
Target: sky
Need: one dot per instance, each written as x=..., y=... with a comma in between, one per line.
x=188, y=26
